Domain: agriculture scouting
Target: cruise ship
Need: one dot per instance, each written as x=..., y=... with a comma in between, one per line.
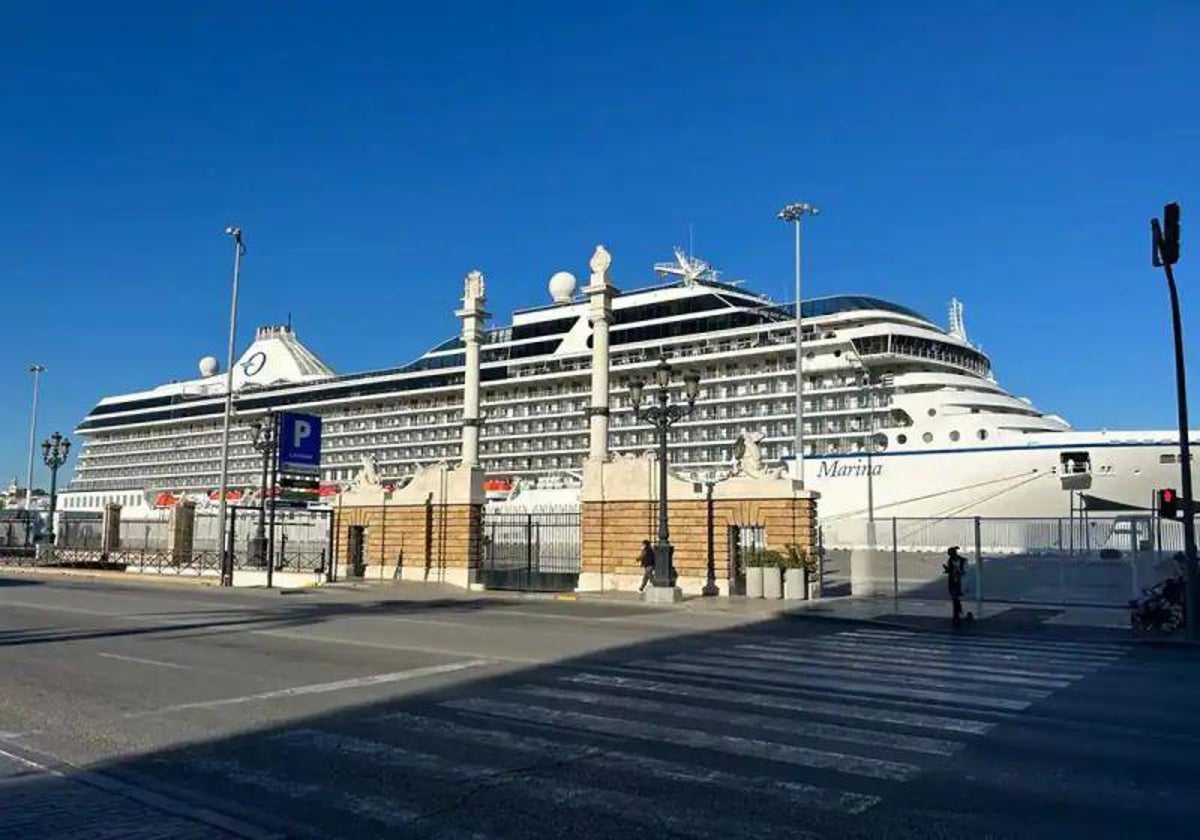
x=902, y=417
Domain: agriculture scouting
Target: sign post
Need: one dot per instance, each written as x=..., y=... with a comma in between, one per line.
x=297, y=466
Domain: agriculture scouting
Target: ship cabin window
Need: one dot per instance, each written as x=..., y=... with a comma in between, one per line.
x=954, y=436
x=901, y=439
x=983, y=434
x=1076, y=463
x=932, y=412
x=927, y=437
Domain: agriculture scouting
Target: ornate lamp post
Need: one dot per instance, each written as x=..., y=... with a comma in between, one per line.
x=54, y=454
x=662, y=416
x=262, y=438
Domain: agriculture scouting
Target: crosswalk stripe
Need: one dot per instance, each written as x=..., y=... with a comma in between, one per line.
x=896, y=664
x=996, y=639
x=1017, y=645
x=774, y=701
x=629, y=807
x=960, y=686
x=858, y=687
x=807, y=728
x=956, y=654
x=875, y=768
x=932, y=659
x=798, y=793
x=375, y=808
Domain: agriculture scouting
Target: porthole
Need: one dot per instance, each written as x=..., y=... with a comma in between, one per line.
x=927, y=437
x=837, y=354
x=932, y=412
x=954, y=436
x=983, y=434
x=901, y=438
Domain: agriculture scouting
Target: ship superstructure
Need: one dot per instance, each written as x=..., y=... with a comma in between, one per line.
x=881, y=381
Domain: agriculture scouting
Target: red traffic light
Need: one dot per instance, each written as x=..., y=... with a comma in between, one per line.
x=1168, y=503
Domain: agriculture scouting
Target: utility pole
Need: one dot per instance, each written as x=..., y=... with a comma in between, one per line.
x=1165, y=253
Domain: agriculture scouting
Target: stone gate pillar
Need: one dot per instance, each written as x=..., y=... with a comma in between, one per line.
x=181, y=532
x=473, y=315
x=600, y=293
x=110, y=528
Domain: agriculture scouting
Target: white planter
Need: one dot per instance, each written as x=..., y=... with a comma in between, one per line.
x=772, y=583
x=793, y=584
x=754, y=582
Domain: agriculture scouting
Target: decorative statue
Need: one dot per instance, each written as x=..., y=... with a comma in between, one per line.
x=600, y=262
x=473, y=287
x=368, y=476
x=747, y=456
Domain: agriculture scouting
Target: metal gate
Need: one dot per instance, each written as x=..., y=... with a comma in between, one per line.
x=531, y=551
x=742, y=541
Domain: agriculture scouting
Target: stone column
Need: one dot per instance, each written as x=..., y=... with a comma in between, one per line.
x=600, y=293
x=181, y=531
x=473, y=316
x=110, y=528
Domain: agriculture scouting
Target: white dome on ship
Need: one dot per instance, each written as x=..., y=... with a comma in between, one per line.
x=562, y=286
x=209, y=366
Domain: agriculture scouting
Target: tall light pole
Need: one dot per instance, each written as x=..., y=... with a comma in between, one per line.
x=37, y=371
x=239, y=248
x=793, y=214
x=1164, y=254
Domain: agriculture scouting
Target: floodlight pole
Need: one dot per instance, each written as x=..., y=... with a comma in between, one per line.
x=793, y=214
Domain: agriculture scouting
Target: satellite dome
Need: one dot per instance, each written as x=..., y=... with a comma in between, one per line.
x=209, y=366
x=562, y=286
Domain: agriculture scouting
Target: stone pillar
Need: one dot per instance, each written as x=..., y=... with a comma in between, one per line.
x=473, y=316
x=600, y=293
x=110, y=528
x=181, y=532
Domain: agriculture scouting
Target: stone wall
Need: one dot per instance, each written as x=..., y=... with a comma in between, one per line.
x=613, y=534
x=435, y=542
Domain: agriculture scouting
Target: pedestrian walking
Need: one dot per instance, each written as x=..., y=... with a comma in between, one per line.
x=955, y=568
x=647, y=561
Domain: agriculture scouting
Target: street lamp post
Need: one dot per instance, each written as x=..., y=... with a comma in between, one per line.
x=262, y=438
x=793, y=214
x=37, y=371
x=239, y=248
x=662, y=416
x=54, y=454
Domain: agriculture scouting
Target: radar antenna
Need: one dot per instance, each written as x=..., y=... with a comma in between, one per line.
x=687, y=268
x=958, y=327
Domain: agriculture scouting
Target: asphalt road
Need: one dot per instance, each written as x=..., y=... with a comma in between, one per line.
x=147, y=711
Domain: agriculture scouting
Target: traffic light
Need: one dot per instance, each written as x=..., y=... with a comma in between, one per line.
x=1168, y=504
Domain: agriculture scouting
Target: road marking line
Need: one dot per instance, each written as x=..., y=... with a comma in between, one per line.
x=143, y=661
x=560, y=792
x=875, y=768
x=798, y=793
x=1020, y=647
x=806, y=728
x=958, y=686
x=371, y=808
x=990, y=639
x=774, y=701
x=319, y=688
x=896, y=665
x=1026, y=659
x=848, y=650
x=309, y=637
x=745, y=675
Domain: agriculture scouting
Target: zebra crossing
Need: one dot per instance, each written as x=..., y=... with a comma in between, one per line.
x=756, y=737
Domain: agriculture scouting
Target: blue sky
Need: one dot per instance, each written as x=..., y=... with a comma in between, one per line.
x=1009, y=153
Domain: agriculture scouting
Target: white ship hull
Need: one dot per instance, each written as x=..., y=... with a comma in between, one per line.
x=1017, y=481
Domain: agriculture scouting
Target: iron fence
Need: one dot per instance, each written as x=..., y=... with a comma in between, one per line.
x=1102, y=561
x=532, y=550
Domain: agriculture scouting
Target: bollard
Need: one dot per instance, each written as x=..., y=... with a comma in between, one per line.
x=978, y=571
